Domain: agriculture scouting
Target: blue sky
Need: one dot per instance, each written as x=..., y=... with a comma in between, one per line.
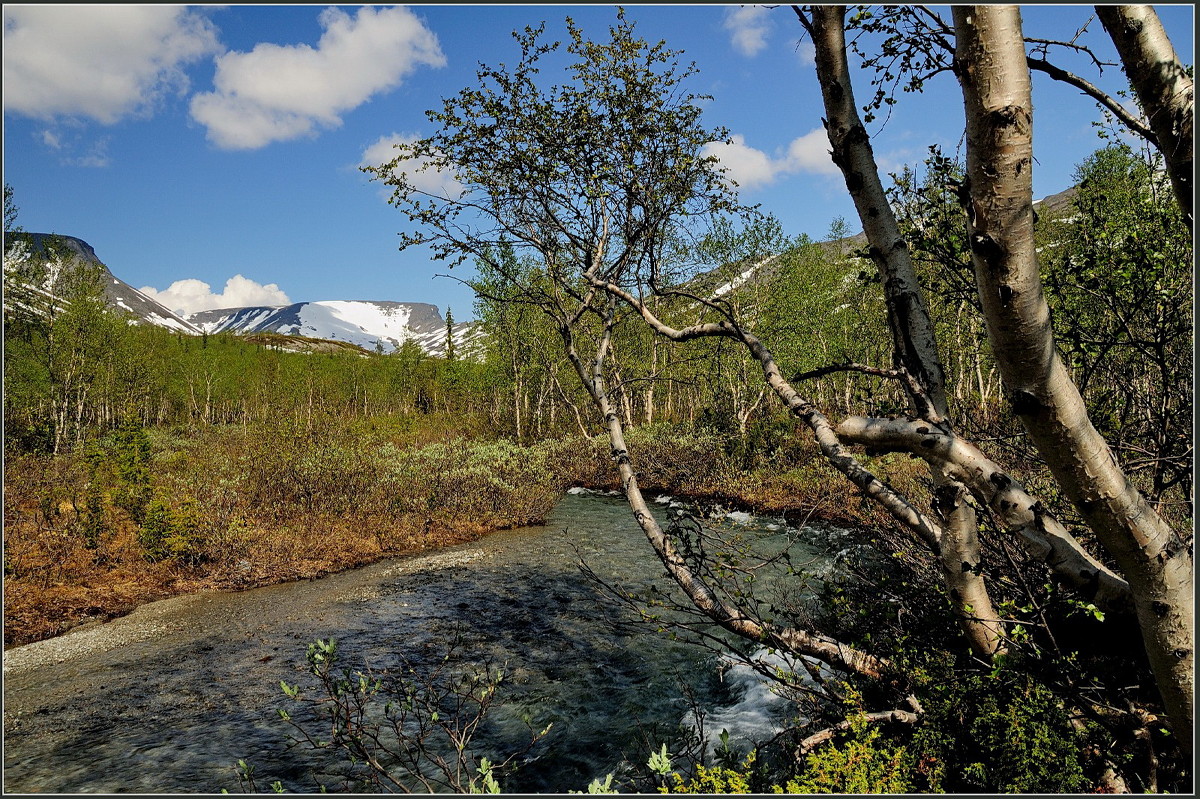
x=211, y=153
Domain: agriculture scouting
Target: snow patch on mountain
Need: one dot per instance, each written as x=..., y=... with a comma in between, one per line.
x=362, y=323
x=371, y=324
x=64, y=253
x=741, y=279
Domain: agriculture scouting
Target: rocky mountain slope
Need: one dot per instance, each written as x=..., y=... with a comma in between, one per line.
x=66, y=251
x=377, y=325
x=373, y=325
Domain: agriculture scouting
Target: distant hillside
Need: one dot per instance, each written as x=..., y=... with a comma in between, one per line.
x=728, y=278
x=119, y=293
x=361, y=325
x=277, y=341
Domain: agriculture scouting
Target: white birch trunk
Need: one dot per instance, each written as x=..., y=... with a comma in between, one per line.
x=916, y=348
x=990, y=60
x=1162, y=85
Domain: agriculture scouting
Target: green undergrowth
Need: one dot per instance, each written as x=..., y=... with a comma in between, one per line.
x=141, y=513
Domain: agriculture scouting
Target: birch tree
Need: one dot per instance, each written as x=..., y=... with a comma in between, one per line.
x=991, y=68
x=1163, y=87
x=592, y=179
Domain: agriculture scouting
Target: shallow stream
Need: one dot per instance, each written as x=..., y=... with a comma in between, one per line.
x=168, y=698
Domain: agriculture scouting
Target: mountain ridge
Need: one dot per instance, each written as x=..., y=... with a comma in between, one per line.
x=375, y=325
x=118, y=293
x=372, y=325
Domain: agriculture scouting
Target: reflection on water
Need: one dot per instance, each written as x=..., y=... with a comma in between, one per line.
x=171, y=709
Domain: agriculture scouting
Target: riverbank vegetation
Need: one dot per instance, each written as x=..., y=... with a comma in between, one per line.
x=985, y=338
x=1024, y=629
x=139, y=514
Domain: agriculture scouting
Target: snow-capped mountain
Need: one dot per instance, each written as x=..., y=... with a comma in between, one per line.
x=370, y=324
x=66, y=252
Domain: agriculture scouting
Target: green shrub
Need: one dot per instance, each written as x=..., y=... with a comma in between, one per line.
x=668, y=457
x=863, y=763
x=496, y=484
x=410, y=729
x=120, y=465
x=168, y=533
x=130, y=448
x=718, y=779
x=1003, y=731
x=292, y=466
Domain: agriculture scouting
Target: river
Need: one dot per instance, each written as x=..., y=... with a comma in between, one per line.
x=167, y=699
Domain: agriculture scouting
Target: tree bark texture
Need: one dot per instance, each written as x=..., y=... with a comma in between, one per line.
x=1164, y=89
x=991, y=67
x=912, y=331
x=916, y=348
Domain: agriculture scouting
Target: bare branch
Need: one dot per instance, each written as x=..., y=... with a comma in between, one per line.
x=1091, y=90
x=926, y=530
x=895, y=715
x=925, y=406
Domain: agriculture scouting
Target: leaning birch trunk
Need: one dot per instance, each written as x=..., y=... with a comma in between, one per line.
x=1044, y=538
x=916, y=348
x=1163, y=87
x=990, y=61
x=703, y=597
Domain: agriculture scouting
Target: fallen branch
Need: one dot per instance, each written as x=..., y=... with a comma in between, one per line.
x=895, y=715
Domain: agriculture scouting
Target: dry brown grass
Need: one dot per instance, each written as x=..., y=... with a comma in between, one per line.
x=55, y=580
x=48, y=599
x=70, y=557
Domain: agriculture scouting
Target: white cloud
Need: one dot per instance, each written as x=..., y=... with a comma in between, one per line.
x=806, y=52
x=72, y=144
x=95, y=157
x=748, y=28
x=751, y=168
x=810, y=153
x=191, y=295
x=747, y=166
x=418, y=171
x=277, y=93
x=105, y=62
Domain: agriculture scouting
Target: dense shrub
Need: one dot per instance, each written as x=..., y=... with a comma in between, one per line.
x=669, y=457
x=864, y=763
x=1002, y=730
x=495, y=484
x=173, y=533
